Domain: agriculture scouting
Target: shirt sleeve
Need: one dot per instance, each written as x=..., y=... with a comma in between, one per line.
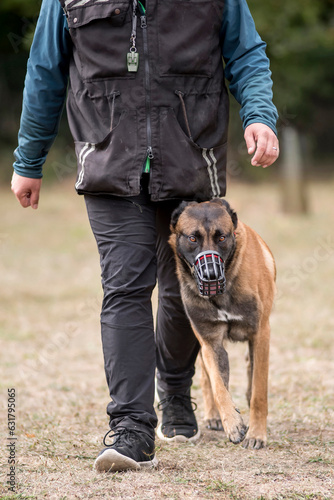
x=247, y=65
x=45, y=90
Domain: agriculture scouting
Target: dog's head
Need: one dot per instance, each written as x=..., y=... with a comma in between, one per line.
x=203, y=240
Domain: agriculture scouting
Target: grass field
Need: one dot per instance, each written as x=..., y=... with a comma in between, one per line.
x=51, y=355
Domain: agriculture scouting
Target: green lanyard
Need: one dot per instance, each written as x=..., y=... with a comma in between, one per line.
x=147, y=166
x=142, y=7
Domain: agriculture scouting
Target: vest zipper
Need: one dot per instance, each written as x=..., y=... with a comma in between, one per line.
x=143, y=25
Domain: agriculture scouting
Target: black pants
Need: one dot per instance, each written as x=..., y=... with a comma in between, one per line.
x=132, y=238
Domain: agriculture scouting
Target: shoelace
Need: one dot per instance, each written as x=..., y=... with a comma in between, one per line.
x=175, y=405
x=128, y=436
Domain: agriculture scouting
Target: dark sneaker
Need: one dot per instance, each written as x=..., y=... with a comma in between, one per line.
x=178, y=419
x=130, y=450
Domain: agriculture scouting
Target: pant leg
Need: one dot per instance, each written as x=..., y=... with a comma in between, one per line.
x=125, y=233
x=177, y=346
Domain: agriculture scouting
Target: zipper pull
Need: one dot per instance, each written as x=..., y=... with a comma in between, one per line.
x=143, y=23
x=150, y=154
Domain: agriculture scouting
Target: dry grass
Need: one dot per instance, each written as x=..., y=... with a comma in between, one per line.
x=51, y=353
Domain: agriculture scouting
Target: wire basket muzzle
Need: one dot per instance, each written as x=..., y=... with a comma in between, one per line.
x=209, y=272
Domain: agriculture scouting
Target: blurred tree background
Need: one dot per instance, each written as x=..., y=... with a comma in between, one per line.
x=300, y=39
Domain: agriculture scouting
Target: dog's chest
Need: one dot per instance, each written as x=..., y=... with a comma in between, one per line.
x=240, y=320
x=226, y=316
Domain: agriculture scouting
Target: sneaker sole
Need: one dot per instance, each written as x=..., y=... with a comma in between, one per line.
x=179, y=438
x=112, y=461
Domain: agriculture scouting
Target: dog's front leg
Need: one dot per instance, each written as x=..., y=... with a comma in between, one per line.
x=259, y=356
x=215, y=359
x=211, y=414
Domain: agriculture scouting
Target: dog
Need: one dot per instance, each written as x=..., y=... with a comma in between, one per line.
x=227, y=279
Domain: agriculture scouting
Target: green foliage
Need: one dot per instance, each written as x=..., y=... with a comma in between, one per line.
x=300, y=39
x=25, y=8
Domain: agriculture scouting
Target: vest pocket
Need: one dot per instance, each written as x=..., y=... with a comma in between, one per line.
x=114, y=10
x=188, y=32
x=191, y=171
x=110, y=166
x=101, y=34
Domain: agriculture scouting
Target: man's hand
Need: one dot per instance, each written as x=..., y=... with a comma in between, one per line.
x=262, y=141
x=26, y=190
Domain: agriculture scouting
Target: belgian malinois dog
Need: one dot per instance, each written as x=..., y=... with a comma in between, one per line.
x=227, y=279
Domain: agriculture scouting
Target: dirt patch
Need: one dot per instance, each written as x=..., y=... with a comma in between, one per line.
x=51, y=354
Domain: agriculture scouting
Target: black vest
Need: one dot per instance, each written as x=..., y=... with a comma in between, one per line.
x=174, y=108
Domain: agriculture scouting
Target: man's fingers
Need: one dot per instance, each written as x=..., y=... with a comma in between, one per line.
x=250, y=142
x=24, y=199
x=23, y=196
x=269, y=154
x=26, y=190
x=34, y=198
x=260, y=153
x=272, y=152
x=264, y=142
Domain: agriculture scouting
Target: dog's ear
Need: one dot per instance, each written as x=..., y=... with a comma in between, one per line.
x=178, y=211
x=229, y=210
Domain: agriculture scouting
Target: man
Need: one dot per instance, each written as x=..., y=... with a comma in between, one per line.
x=148, y=109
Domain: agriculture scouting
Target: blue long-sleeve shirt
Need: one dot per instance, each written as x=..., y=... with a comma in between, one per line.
x=246, y=68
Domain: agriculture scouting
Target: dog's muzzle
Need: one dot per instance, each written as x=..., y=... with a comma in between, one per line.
x=209, y=271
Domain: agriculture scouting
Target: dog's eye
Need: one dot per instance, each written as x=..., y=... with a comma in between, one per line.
x=221, y=238
x=192, y=238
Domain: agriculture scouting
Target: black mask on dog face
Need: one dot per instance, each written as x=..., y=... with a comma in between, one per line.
x=209, y=271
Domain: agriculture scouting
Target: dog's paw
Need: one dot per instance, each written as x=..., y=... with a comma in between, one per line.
x=214, y=424
x=254, y=442
x=236, y=432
